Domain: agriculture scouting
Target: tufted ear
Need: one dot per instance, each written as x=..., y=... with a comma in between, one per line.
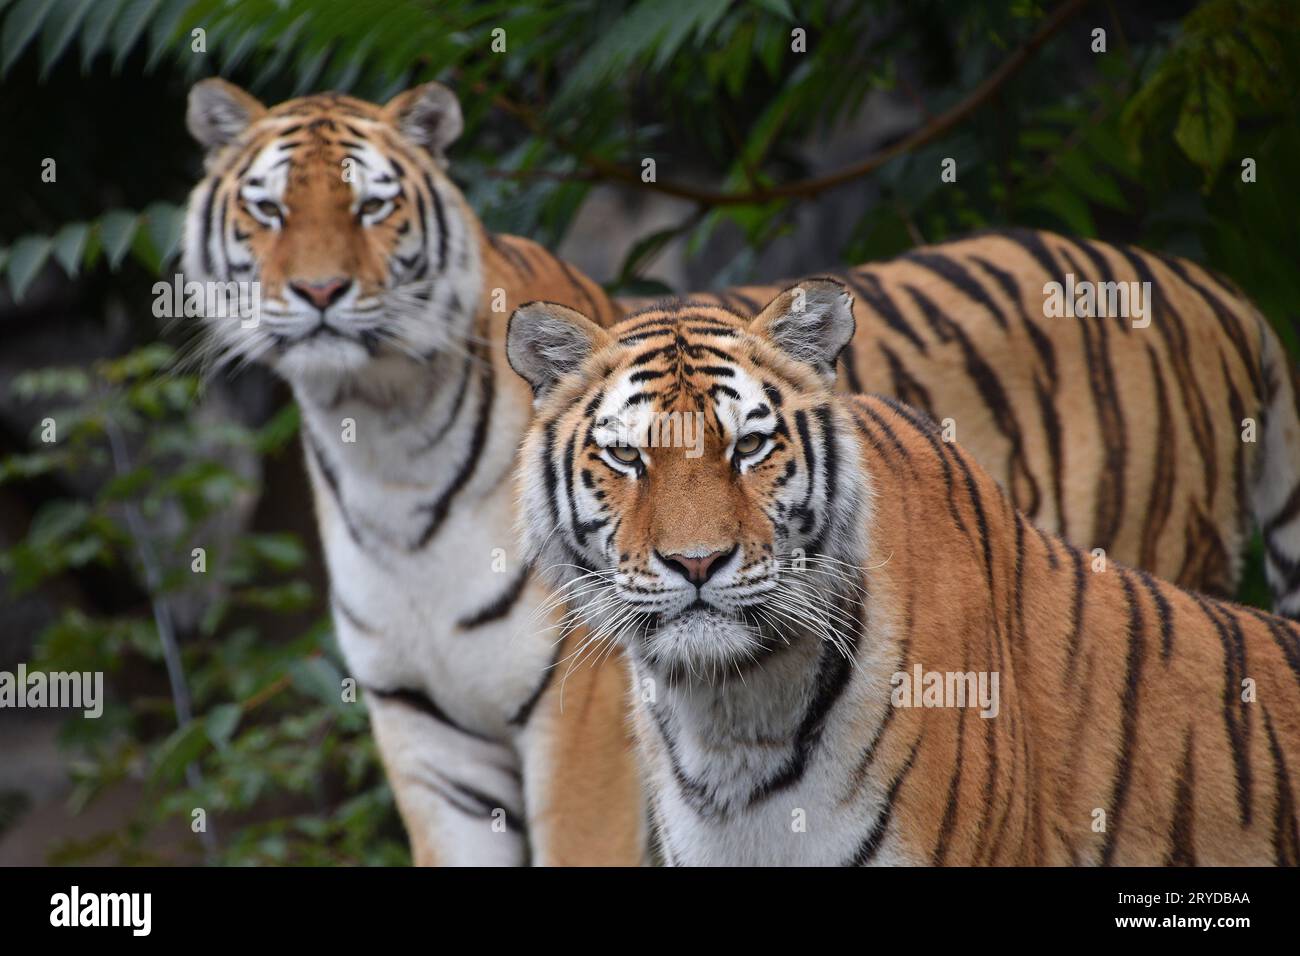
x=219, y=111
x=811, y=322
x=546, y=341
x=429, y=116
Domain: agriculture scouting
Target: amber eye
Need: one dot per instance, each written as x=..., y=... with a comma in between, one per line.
x=750, y=444
x=268, y=209
x=627, y=454
x=372, y=206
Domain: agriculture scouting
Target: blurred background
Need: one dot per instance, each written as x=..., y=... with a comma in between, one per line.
x=787, y=136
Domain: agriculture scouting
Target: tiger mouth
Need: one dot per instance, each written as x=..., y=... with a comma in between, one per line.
x=365, y=339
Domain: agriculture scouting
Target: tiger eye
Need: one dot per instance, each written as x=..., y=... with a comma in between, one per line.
x=749, y=444
x=371, y=206
x=627, y=454
x=268, y=209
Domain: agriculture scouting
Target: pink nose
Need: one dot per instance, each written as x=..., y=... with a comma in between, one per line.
x=696, y=570
x=322, y=293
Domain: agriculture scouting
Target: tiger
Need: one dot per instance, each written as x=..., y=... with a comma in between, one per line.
x=846, y=644
x=383, y=304
x=1157, y=424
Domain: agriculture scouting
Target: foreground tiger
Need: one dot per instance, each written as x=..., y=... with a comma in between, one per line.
x=779, y=586
x=385, y=304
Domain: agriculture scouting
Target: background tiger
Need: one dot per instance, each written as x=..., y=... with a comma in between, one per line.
x=773, y=591
x=377, y=307
x=1118, y=434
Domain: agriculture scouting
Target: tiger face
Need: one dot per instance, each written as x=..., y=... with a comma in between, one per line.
x=687, y=477
x=342, y=215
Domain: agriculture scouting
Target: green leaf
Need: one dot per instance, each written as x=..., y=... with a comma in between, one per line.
x=117, y=230
x=221, y=722
x=59, y=31
x=780, y=8
x=20, y=26
x=165, y=222
x=96, y=30
x=25, y=260
x=1206, y=125
x=318, y=678
x=130, y=24
x=184, y=746
x=70, y=245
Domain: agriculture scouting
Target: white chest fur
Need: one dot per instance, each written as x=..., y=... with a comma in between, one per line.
x=414, y=505
x=741, y=776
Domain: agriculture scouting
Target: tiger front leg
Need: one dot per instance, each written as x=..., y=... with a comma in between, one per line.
x=460, y=795
x=582, y=782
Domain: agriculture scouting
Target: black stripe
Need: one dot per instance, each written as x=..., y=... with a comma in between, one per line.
x=1165, y=478
x=351, y=616
x=461, y=390
x=949, y=822
x=1164, y=613
x=1286, y=835
x=520, y=717
x=906, y=387
x=440, y=213
x=332, y=481
x=1109, y=498
x=1024, y=492
x=1234, y=672
x=501, y=606
x=439, y=508
x=421, y=701
x=208, y=200
x=1227, y=321
x=872, y=294
x=1128, y=718
x=870, y=844
x=1182, y=842
x=1178, y=351
x=1283, y=632
x=956, y=275
x=834, y=671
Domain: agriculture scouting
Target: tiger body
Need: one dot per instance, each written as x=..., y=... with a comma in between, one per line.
x=1161, y=438
x=772, y=593
x=378, y=309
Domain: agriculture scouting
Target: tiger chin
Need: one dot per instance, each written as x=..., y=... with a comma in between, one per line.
x=813, y=603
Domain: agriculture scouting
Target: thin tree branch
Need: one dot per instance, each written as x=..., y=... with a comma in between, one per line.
x=936, y=128
x=162, y=617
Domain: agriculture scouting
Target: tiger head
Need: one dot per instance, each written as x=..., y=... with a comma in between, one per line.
x=689, y=479
x=341, y=214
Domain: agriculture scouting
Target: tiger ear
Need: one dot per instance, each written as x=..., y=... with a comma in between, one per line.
x=219, y=111
x=546, y=341
x=429, y=116
x=811, y=322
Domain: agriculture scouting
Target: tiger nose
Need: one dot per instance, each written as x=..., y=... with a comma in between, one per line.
x=324, y=293
x=697, y=570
